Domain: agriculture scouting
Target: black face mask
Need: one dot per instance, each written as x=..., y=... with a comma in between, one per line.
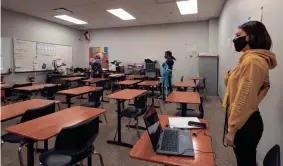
x=240, y=43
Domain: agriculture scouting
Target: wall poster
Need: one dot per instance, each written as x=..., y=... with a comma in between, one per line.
x=102, y=53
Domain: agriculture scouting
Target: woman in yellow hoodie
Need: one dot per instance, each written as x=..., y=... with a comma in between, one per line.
x=247, y=85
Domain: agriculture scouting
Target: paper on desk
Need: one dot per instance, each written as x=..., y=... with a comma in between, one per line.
x=182, y=122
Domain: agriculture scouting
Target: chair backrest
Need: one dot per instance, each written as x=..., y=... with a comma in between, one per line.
x=34, y=113
x=76, y=139
x=96, y=96
x=272, y=158
x=101, y=84
x=50, y=91
x=182, y=78
x=141, y=102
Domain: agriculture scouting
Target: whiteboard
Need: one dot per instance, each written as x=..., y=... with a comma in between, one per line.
x=6, y=54
x=38, y=56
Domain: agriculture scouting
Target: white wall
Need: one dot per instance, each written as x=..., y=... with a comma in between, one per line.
x=213, y=36
x=235, y=13
x=134, y=44
x=20, y=26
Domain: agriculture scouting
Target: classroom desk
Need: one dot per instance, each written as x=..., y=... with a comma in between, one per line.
x=143, y=149
x=183, y=98
x=151, y=85
x=77, y=92
x=119, y=75
x=94, y=80
x=18, y=109
x=139, y=77
x=195, y=78
x=185, y=85
x=71, y=79
x=43, y=128
x=120, y=96
x=33, y=88
x=127, y=83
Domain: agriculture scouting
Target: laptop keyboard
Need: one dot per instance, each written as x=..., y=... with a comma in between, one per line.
x=170, y=141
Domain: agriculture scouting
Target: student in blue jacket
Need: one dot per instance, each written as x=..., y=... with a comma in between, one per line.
x=167, y=72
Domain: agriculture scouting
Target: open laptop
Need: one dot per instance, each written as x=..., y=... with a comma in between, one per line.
x=166, y=140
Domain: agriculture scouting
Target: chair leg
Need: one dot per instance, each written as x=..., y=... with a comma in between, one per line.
x=137, y=127
x=100, y=158
x=58, y=105
x=20, y=154
x=89, y=161
x=105, y=118
x=160, y=109
x=129, y=123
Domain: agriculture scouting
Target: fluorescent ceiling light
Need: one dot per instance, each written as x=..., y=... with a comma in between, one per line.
x=188, y=7
x=70, y=19
x=122, y=14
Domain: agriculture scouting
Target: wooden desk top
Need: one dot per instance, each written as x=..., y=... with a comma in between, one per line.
x=79, y=90
x=136, y=76
x=116, y=75
x=185, y=84
x=184, y=97
x=126, y=94
x=35, y=87
x=149, y=83
x=143, y=149
x=4, y=86
x=17, y=109
x=50, y=125
x=94, y=80
x=197, y=78
x=128, y=82
x=72, y=78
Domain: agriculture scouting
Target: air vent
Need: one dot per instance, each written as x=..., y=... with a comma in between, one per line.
x=165, y=1
x=63, y=11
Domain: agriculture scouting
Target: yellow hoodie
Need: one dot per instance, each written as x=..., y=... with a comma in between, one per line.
x=247, y=85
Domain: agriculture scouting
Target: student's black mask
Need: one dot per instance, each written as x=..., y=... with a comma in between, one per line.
x=240, y=43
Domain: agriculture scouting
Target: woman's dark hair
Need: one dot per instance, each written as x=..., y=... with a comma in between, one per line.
x=259, y=38
x=169, y=53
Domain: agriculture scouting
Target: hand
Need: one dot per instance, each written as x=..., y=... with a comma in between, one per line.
x=230, y=139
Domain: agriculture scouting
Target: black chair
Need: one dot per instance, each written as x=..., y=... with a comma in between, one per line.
x=49, y=92
x=27, y=116
x=95, y=101
x=201, y=87
x=179, y=88
x=73, y=144
x=133, y=112
x=15, y=95
x=272, y=158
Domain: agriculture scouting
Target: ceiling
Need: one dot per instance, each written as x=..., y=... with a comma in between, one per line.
x=146, y=12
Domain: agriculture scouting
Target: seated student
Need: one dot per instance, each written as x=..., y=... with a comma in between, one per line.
x=167, y=68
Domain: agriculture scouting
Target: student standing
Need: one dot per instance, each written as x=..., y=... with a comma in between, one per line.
x=167, y=72
x=247, y=85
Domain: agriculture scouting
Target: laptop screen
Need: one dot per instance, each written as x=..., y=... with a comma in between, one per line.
x=153, y=125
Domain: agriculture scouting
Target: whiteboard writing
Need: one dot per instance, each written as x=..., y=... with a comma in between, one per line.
x=46, y=49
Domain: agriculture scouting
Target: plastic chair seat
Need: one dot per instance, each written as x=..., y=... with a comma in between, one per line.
x=13, y=138
x=91, y=104
x=57, y=158
x=132, y=112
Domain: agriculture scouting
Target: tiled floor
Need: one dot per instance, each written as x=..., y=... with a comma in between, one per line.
x=115, y=155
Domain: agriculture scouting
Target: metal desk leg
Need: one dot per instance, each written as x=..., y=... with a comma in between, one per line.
x=68, y=99
x=119, y=142
x=46, y=145
x=30, y=153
